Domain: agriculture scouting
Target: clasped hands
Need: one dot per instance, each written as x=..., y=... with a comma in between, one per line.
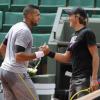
x=45, y=49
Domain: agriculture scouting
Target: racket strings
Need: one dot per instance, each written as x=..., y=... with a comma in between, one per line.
x=78, y=93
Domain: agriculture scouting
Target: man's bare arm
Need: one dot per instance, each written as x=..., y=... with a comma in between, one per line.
x=63, y=58
x=60, y=57
x=95, y=66
x=2, y=50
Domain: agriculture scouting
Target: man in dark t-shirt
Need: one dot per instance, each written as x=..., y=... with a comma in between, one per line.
x=82, y=59
x=83, y=53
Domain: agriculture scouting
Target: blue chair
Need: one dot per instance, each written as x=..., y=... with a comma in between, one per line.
x=5, y=5
x=18, y=5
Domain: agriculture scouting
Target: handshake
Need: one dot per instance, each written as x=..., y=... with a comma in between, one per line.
x=43, y=51
x=45, y=48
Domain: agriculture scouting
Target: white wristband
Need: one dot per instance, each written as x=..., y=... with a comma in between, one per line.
x=39, y=54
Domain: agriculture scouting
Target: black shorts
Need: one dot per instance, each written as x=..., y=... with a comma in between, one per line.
x=77, y=85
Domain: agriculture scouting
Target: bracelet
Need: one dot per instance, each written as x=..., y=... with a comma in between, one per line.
x=51, y=54
x=39, y=54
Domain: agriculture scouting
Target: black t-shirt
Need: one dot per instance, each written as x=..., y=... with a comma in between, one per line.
x=81, y=57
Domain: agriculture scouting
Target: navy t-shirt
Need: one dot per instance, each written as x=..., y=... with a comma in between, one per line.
x=81, y=57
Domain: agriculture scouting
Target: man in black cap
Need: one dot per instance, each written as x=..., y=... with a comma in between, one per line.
x=83, y=53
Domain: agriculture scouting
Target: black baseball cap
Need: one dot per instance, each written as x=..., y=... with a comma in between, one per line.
x=77, y=11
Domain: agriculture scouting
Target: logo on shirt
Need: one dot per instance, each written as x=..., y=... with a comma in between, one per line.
x=73, y=39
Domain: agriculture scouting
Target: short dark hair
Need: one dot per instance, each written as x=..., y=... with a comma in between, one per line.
x=29, y=8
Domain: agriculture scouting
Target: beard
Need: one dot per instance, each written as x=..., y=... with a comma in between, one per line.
x=34, y=24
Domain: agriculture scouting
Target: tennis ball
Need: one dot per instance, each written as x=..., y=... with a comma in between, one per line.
x=31, y=71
